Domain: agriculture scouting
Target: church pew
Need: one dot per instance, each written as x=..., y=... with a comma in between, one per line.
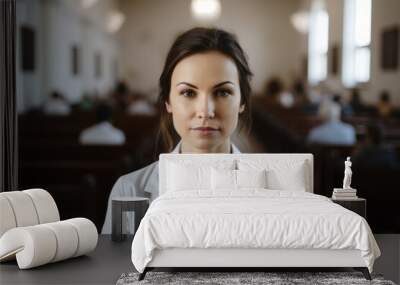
x=68, y=128
x=68, y=180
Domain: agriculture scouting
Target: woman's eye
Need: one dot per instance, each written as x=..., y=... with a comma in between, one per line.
x=187, y=93
x=223, y=93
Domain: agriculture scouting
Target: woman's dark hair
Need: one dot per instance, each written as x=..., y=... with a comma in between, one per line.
x=200, y=40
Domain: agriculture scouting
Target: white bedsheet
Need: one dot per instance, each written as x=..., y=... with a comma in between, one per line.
x=252, y=218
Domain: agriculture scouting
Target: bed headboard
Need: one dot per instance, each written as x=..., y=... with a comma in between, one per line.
x=284, y=163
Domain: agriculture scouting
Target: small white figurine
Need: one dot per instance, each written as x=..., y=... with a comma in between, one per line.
x=347, y=174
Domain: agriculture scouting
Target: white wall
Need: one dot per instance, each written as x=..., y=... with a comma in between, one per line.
x=262, y=27
x=385, y=13
x=59, y=25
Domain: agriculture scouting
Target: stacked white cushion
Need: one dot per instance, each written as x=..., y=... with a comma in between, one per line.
x=87, y=234
x=31, y=232
x=26, y=208
x=23, y=208
x=66, y=236
x=32, y=246
x=52, y=242
x=45, y=205
x=7, y=218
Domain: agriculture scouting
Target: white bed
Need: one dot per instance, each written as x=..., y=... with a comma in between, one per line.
x=201, y=219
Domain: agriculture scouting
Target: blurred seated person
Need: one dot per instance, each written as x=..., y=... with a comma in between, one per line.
x=138, y=105
x=384, y=106
x=333, y=130
x=273, y=88
x=286, y=99
x=56, y=105
x=103, y=132
x=302, y=98
x=373, y=152
x=356, y=103
x=87, y=103
x=121, y=95
x=347, y=110
x=299, y=92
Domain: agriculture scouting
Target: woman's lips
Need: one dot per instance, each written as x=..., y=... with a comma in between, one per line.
x=205, y=130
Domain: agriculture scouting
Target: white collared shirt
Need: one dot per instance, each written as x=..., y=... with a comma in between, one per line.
x=142, y=182
x=178, y=148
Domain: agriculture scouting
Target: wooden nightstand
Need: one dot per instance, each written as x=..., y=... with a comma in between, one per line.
x=357, y=205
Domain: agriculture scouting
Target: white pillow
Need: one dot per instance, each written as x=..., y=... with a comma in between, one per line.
x=237, y=179
x=281, y=175
x=183, y=175
x=251, y=178
x=223, y=179
x=289, y=179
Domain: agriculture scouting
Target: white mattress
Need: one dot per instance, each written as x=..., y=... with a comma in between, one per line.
x=252, y=218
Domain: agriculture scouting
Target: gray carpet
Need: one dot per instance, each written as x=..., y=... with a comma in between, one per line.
x=225, y=278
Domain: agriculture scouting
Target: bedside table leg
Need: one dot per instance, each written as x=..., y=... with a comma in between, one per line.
x=116, y=228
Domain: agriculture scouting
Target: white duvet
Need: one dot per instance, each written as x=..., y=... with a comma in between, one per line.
x=252, y=218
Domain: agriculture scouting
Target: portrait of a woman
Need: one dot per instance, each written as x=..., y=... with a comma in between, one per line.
x=204, y=96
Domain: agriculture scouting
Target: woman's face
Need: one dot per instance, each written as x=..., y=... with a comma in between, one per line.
x=204, y=101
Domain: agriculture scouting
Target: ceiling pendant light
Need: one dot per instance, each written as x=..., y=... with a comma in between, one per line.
x=206, y=10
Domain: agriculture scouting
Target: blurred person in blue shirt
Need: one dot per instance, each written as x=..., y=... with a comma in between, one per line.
x=333, y=130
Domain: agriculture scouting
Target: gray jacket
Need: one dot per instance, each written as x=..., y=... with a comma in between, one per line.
x=142, y=182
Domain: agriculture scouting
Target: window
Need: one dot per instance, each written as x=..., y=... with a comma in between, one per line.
x=356, y=42
x=318, y=43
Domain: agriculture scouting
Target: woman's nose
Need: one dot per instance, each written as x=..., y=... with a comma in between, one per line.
x=206, y=107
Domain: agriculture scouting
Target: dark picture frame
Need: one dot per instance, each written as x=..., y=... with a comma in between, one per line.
x=390, y=48
x=75, y=60
x=28, y=43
